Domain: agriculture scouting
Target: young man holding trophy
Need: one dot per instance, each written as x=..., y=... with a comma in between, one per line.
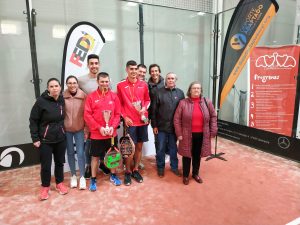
x=102, y=114
x=135, y=100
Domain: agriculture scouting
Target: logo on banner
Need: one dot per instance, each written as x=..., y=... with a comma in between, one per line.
x=6, y=156
x=239, y=41
x=275, y=61
x=83, y=46
x=283, y=142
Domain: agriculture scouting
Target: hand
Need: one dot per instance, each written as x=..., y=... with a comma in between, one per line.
x=180, y=138
x=37, y=144
x=110, y=131
x=142, y=111
x=103, y=131
x=128, y=121
x=155, y=130
x=86, y=135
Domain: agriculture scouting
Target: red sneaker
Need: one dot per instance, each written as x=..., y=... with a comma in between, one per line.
x=44, y=193
x=62, y=189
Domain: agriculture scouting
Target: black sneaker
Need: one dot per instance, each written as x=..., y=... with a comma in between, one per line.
x=160, y=172
x=137, y=176
x=127, y=179
x=87, y=174
x=104, y=169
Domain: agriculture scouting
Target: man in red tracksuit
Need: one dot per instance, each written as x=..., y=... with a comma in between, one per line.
x=134, y=98
x=102, y=127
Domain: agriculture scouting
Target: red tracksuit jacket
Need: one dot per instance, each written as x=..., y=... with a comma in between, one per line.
x=132, y=92
x=93, y=112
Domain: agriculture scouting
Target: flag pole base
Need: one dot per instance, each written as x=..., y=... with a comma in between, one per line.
x=217, y=156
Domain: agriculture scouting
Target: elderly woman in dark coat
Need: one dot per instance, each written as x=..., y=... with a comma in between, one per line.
x=195, y=124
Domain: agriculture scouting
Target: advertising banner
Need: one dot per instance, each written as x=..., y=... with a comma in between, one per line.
x=83, y=38
x=248, y=23
x=272, y=88
x=277, y=144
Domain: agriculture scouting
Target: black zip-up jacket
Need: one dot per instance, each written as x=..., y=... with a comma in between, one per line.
x=47, y=119
x=164, y=107
x=153, y=87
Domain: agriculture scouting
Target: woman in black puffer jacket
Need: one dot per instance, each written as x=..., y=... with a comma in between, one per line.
x=48, y=135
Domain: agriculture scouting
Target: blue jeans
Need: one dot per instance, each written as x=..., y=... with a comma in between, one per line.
x=87, y=149
x=79, y=142
x=166, y=141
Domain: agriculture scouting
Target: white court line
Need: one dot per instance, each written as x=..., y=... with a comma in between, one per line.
x=294, y=222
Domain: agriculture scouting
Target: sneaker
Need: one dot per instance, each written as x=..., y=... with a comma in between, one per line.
x=167, y=158
x=93, y=185
x=160, y=172
x=141, y=166
x=115, y=180
x=73, y=182
x=44, y=193
x=87, y=173
x=176, y=172
x=62, y=189
x=137, y=176
x=127, y=179
x=82, y=183
x=104, y=169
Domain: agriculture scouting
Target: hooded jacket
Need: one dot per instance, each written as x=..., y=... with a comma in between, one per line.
x=47, y=119
x=74, y=105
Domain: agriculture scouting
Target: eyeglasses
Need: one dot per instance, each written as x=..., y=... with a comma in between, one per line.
x=73, y=83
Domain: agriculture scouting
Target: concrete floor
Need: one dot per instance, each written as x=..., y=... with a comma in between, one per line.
x=251, y=188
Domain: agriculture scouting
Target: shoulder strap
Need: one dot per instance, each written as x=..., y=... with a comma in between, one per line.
x=206, y=104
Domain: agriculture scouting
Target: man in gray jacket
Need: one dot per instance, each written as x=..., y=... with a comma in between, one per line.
x=163, y=108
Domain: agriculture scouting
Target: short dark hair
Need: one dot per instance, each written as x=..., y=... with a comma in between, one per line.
x=154, y=65
x=53, y=79
x=188, y=93
x=142, y=65
x=131, y=63
x=92, y=56
x=102, y=74
x=71, y=76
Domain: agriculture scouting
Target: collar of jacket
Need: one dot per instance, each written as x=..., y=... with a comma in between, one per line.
x=169, y=89
x=46, y=95
x=191, y=101
x=150, y=82
x=79, y=94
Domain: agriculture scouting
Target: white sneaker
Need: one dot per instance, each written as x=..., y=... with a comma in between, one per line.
x=82, y=183
x=73, y=183
x=167, y=158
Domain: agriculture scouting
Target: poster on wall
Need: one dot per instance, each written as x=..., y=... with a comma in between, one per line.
x=272, y=88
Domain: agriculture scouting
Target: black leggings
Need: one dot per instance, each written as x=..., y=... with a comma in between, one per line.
x=197, y=139
x=58, y=150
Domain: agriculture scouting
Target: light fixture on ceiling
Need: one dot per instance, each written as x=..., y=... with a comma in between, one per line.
x=11, y=27
x=59, y=31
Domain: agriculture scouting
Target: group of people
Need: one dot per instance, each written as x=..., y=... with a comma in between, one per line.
x=88, y=113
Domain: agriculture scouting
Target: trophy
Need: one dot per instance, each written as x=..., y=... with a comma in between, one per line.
x=138, y=106
x=106, y=116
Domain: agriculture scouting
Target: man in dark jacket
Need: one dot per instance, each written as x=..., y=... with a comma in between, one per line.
x=155, y=82
x=163, y=109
